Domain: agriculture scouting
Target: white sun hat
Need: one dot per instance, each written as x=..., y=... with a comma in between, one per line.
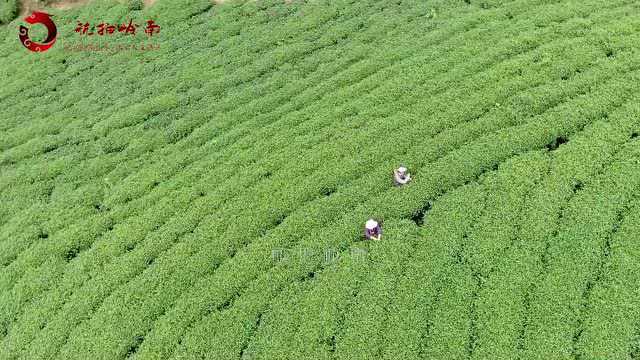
x=371, y=224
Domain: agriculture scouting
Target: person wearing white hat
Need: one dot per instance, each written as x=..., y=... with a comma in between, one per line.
x=400, y=176
x=372, y=230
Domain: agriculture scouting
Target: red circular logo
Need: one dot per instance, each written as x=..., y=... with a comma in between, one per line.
x=38, y=17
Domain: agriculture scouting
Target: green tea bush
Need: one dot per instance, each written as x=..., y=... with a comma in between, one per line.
x=142, y=200
x=8, y=10
x=135, y=4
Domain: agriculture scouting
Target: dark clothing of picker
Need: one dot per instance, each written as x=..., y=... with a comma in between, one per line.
x=372, y=230
x=400, y=176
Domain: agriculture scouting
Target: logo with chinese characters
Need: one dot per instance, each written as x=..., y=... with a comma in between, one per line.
x=105, y=32
x=106, y=29
x=38, y=17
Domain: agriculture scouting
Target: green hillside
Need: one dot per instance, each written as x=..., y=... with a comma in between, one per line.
x=207, y=198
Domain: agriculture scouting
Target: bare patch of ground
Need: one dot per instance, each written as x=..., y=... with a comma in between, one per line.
x=223, y=1
x=27, y=6
x=68, y=4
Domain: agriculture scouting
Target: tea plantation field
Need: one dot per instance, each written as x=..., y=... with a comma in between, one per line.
x=206, y=198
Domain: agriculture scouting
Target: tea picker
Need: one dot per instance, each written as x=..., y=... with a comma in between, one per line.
x=372, y=230
x=401, y=176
